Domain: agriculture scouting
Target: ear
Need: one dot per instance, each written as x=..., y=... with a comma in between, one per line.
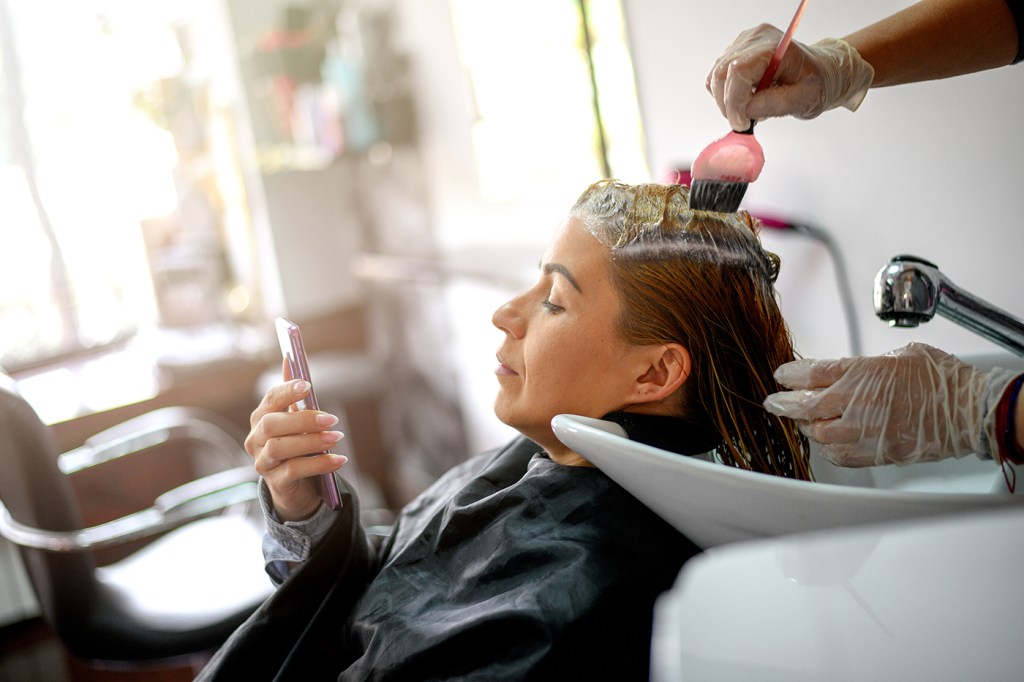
x=667, y=369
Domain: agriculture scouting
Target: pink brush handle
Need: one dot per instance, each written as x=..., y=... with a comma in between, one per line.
x=787, y=38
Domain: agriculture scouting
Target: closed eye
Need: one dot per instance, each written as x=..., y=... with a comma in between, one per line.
x=551, y=307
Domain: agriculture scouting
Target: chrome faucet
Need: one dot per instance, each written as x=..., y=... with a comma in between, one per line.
x=910, y=290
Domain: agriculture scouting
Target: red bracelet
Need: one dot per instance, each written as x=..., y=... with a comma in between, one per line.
x=1006, y=426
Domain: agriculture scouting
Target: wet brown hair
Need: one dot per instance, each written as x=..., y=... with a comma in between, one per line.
x=703, y=280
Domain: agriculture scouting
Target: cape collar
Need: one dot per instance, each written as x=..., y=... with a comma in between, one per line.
x=674, y=434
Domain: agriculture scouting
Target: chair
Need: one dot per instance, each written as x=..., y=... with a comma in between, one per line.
x=177, y=597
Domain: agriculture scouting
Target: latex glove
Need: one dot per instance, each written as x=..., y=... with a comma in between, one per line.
x=913, y=404
x=811, y=78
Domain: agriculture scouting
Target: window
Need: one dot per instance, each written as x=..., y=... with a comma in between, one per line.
x=123, y=202
x=553, y=92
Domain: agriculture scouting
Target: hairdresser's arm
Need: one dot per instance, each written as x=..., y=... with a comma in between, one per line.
x=936, y=39
x=928, y=40
x=913, y=404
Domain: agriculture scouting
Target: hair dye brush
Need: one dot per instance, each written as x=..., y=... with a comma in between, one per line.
x=723, y=170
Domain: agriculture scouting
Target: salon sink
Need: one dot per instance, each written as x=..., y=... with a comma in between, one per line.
x=932, y=599
x=714, y=504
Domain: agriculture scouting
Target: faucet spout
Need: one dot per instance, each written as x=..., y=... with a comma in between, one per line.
x=911, y=290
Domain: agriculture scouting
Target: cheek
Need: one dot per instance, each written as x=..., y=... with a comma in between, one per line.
x=545, y=358
x=570, y=359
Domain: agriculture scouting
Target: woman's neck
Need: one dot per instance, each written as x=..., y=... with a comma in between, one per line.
x=567, y=457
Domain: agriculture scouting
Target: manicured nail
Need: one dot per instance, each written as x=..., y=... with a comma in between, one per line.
x=331, y=437
x=324, y=419
x=338, y=459
x=301, y=387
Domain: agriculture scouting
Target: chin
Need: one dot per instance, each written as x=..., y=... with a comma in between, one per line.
x=538, y=432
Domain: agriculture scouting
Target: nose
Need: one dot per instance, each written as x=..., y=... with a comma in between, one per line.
x=509, y=318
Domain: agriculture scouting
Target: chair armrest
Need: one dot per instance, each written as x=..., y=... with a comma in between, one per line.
x=174, y=508
x=149, y=430
x=187, y=493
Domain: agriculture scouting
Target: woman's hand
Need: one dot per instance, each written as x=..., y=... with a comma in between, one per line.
x=279, y=443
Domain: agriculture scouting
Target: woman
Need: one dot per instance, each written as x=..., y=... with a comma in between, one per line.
x=527, y=562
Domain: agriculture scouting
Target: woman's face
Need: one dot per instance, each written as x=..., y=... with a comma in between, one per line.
x=561, y=353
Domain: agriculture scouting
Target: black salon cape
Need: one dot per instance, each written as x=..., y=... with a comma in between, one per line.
x=510, y=567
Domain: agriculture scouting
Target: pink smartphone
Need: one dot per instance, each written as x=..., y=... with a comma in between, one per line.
x=291, y=348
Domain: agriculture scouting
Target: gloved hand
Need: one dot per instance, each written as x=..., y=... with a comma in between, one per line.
x=913, y=404
x=811, y=78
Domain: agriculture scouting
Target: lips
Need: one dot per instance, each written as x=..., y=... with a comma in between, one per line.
x=504, y=370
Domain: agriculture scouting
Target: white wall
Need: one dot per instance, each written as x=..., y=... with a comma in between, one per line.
x=934, y=169
x=315, y=231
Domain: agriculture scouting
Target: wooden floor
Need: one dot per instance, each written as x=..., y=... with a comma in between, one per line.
x=29, y=652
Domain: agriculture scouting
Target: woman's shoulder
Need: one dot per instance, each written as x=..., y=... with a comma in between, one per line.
x=503, y=464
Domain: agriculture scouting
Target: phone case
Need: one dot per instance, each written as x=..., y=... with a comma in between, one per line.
x=290, y=339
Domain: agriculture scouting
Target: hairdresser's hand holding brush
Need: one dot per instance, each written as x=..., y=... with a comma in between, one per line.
x=928, y=40
x=913, y=404
x=811, y=79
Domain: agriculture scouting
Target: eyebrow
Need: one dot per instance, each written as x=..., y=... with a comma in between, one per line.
x=564, y=272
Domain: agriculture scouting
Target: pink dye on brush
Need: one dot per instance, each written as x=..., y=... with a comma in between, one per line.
x=737, y=157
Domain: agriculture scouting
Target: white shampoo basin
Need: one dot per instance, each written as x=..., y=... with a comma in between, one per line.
x=714, y=504
x=930, y=599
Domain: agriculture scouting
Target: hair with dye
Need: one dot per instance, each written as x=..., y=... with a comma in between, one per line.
x=702, y=279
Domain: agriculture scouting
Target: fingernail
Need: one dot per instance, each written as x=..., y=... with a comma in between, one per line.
x=785, y=373
x=771, y=405
x=780, y=404
x=324, y=419
x=301, y=387
x=338, y=459
x=331, y=437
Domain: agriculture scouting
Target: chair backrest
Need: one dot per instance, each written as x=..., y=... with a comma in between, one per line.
x=38, y=494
